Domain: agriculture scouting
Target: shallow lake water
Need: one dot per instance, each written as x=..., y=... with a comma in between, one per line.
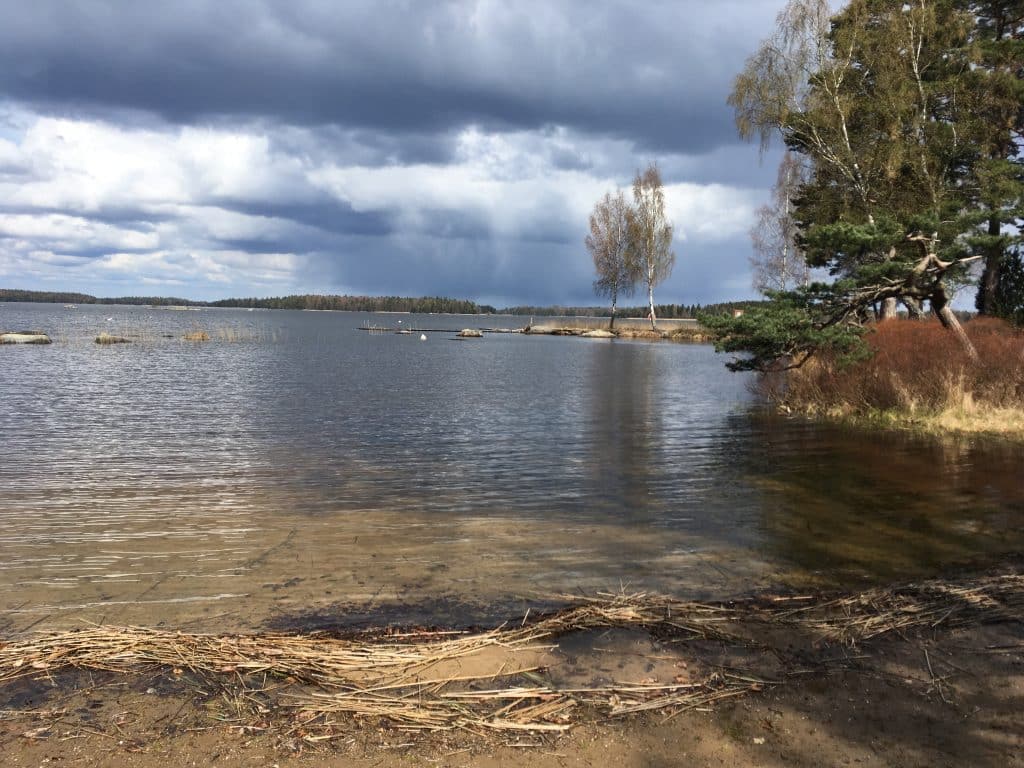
x=294, y=471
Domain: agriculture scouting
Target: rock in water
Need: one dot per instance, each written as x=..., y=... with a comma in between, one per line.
x=598, y=334
x=470, y=333
x=24, y=337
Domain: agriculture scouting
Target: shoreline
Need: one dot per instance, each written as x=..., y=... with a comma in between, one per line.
x=1004, y=424
x=787, y=679
x=695, y=335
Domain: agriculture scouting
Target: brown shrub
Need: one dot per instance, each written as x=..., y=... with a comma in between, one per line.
x=918, y=366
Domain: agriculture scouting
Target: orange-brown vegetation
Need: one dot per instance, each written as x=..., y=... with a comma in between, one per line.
x=918, y=371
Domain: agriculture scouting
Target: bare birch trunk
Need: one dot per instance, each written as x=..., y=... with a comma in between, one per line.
x=650, y=301
x=949, y=320
x=889, y=308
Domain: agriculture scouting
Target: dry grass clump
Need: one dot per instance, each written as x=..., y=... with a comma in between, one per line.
x=918, y=369
x=696, y=334
x=411, y=681
x=968, y=417
x=225, y=333
x=106, y=338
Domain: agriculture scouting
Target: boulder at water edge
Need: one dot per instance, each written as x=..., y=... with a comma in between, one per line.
x=470, y=333
x=598, y=334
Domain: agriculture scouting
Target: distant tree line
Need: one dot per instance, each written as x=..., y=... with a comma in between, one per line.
x=426, y=304
x=64, y=297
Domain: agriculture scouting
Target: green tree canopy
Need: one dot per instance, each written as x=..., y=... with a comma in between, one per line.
x=880, y=99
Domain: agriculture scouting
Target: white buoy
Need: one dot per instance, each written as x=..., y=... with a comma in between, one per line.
x=423, y=337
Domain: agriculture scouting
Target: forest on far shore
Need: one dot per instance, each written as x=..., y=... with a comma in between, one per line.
x=425, y=305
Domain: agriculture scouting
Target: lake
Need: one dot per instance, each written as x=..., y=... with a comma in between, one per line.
x=295, y=471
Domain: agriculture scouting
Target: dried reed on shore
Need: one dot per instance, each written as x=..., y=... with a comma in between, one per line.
x=856, y=618
x=414, y=680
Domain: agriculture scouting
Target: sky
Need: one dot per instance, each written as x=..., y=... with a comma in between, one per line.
x=215, y=148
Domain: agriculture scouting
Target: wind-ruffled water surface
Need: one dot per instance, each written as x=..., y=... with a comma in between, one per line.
x=293, y=470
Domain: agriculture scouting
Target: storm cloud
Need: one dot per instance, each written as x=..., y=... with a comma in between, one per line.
x=456, y=148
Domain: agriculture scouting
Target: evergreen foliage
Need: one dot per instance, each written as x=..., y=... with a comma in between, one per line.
x=892, y=106
x=1009, y=297
x=997, y=100
x=787, y=330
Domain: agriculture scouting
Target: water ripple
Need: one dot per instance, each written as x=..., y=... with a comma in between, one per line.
x=299, y=462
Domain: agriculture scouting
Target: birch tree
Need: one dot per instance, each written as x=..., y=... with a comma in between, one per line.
x=778, y=261
x=650, y=234
x=608, y=243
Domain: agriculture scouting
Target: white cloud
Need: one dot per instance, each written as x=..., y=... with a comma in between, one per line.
x=223, y=207
x=511, y=183
x=89, y=166
x=710, y=213
x=75, y=232
x=221, y=267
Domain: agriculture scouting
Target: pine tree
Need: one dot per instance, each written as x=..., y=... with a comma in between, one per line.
x=873, y=99
x=998, y=39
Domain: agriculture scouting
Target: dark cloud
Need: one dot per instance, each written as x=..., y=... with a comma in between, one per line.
x=62, y=259
x=123, y=217
x=654, y=73
x=514, y=272
x=238, y=147
x=329, y=216
x=474, y=268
